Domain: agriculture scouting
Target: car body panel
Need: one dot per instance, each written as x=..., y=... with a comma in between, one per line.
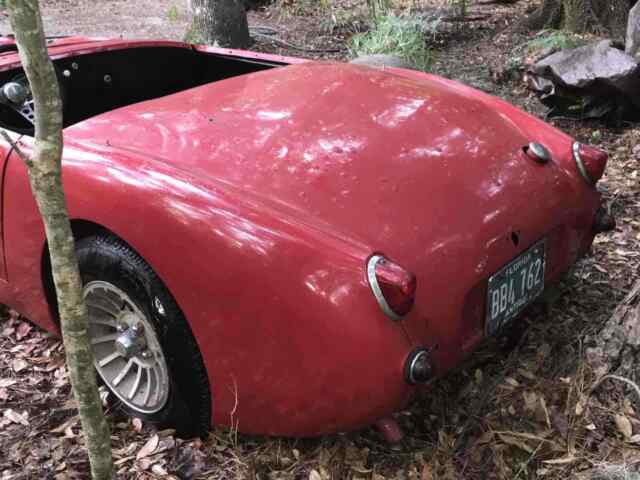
x=259, y=199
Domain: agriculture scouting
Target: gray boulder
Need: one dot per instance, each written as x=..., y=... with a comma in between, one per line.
x=598, y=76
x=632, y=45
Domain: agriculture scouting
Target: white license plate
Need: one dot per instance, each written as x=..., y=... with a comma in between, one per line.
x=514, y=287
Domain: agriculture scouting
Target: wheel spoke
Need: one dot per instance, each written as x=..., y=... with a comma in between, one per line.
x=140, y=381
x=147, y=394
x=136, y=383
x=110, y=302
x=108, y=359
x=101, y=308
x=104, y=339
x=123, y=373
x=102, y=321
x=158, y=386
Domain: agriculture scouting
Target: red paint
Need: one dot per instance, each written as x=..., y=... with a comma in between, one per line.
x=390, y=430
x=258, y=200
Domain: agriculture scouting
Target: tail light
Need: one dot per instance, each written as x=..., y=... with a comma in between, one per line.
x=591, y=162
x=393, y=286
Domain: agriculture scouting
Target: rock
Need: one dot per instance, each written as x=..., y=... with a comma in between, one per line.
x=383, y=60
x=598, y=77
x=632, y=45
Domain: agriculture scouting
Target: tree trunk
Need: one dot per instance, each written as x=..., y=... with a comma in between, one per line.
x=548, y=15
x=583, y=16
x=219, y=22
x=46, y=184
x=616, y=349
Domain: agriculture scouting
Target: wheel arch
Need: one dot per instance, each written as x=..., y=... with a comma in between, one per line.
x=80, y=229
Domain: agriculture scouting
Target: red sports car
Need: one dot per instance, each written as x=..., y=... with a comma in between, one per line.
x=288, y=247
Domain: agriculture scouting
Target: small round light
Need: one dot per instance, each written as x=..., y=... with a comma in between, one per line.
x=418, y=368
x=538, y=152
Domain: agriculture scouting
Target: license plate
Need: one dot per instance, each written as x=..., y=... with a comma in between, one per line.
x=514, y=287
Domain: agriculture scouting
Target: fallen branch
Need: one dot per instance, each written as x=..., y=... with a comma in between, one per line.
x=499, y=2
x=465, y=18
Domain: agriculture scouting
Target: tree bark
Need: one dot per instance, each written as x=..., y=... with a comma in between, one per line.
x=616, y=349
x=219, y=22
x=46, y=184
x=583, y=16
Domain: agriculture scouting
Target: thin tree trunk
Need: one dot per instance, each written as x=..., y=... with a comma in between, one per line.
x=46, y=184
x=219, y=22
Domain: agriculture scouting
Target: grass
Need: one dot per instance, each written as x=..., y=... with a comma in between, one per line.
x=555, y=40
x=399, y=35
x=172, y=13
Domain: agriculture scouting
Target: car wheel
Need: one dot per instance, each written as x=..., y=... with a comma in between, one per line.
x=144, y=351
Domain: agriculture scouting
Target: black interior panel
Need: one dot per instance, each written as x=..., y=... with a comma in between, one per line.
x=98, y=82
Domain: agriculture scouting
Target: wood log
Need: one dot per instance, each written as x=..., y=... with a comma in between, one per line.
x=616, y=348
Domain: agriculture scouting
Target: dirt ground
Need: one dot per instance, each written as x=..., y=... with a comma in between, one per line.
x=518, y=409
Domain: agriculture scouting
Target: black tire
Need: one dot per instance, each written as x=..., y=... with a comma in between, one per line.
x=188, y=409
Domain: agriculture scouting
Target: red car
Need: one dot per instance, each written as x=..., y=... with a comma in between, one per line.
x=288, y=247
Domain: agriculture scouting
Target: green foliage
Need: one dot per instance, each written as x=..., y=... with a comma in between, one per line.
x=400, y=35
x=172, y=13
x=301, y=8
x=194, y=36
x=555, y=40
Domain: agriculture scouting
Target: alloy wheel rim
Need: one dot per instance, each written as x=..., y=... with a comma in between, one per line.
x=127, y=353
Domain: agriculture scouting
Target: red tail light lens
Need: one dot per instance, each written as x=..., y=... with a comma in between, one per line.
x=393, y=286
x=591, y=162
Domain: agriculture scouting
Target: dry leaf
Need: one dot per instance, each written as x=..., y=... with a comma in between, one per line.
x=69, y=423
x=624, y=426
x=511, y=381
x=514, y=441
x=158, y=470
x=7, y=382
x=560, y=461
x=530, y=401
x=15, y=417
x=19, y=364
x=314, y=475
x=526, y=374
x=542, y=412
x=427, y=473
x=137, y=424
x=148, y=447
x=23, y=330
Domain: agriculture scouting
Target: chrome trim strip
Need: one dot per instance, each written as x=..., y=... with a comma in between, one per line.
x=412, y=365
x=580, y=164
x=377, y=291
